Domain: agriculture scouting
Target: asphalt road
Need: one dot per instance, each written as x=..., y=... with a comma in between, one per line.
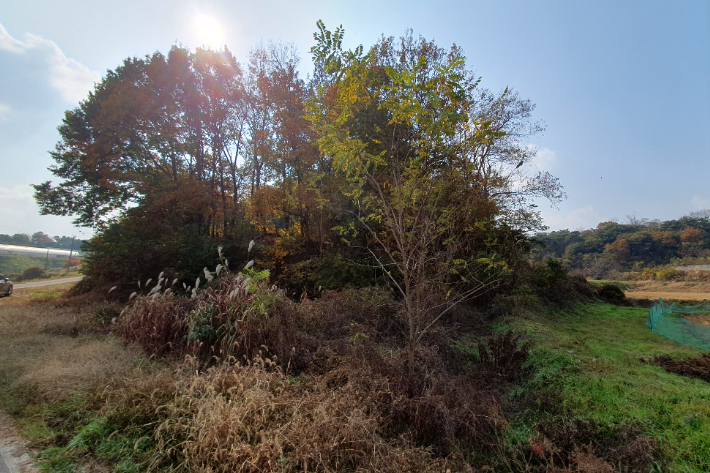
x=45, y=283
x=3, y=466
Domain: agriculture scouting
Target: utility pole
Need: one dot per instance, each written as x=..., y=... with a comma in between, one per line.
x=70, y=253
x=46, y=263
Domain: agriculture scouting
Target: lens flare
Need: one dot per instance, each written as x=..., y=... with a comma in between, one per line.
x=209, y=31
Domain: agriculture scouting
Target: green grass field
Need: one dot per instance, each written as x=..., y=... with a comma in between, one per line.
x=10, y=264
x=594, y=358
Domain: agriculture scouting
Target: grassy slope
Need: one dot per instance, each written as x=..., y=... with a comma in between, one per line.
x=593, y=357
x=18, y=263
x=51, y=361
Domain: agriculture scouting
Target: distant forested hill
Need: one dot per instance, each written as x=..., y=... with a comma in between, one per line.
x=630, y=246
x=40, y=240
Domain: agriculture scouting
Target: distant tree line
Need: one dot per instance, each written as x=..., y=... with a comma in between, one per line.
x=630, y=246
x=40, y=240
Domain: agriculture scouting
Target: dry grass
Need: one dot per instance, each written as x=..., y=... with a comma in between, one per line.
x=72, y=365
x=57, y=349
x=668, y=296
x=248, y=418
x=669, y=290
x=353, y=407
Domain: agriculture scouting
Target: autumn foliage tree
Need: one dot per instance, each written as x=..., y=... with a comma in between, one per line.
x=172, y=155
x=430, y=169
x=190, y=144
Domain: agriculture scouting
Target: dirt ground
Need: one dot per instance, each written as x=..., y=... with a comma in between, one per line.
x=698, y=367
x=669, y=290
x=13, y=449
x=703, y=319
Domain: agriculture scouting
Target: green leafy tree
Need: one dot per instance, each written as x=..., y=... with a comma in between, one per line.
x=399, y=121
x=41, y=240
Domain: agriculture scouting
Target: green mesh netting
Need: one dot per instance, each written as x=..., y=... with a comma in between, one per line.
x=661, y=321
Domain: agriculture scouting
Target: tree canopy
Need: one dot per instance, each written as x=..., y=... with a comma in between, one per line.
x=629, y=246
x=187, y=150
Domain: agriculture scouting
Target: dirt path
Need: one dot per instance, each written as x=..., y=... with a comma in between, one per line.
x=15, y=456
x=51, y=282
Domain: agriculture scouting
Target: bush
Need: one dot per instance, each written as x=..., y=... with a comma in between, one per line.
x=505, y=355
x=663, y=273
x=611, y=293
x=107, y=313
x=549, y=274
x=141, y=245
x=550, y=282
x=332, y=271
x=34, y=272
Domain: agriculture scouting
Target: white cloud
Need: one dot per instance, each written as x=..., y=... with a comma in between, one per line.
x=4, y=111
x=72, y=79
x=700, y=204
x=579, y=219
x=19, y=213
x=8, y=43
x=545, y=159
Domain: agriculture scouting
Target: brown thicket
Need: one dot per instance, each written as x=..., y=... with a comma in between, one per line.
x=272, y=384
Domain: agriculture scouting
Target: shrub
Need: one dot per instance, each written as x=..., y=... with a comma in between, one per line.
x=140, y=246
x=71, y=264
x=107, y=313
x=504, y=355
x=611, y=293
x=663, y=273
x=332, y=271
x=549, y=274
x=35, y=272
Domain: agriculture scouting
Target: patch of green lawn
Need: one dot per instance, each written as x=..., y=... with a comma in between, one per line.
x=593, y=358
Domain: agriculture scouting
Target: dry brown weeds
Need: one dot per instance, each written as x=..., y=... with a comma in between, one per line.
x=56, y=349
x=354, y=405
x=246, y=418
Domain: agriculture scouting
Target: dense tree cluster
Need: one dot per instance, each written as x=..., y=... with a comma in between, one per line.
x=394, y=158
x=40, y=240
x=628, y=246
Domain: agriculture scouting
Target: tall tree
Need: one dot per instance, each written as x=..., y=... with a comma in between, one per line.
x=150, y=125
x=398, y=122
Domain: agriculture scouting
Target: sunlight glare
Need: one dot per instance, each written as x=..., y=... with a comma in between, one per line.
x=209, y=31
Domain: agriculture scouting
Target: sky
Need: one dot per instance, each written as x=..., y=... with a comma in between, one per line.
x=622, y=86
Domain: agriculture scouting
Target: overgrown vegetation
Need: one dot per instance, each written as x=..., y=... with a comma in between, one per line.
x=385, y=313
x=241, y=376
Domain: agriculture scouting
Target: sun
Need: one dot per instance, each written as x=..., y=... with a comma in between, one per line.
x=209, y=31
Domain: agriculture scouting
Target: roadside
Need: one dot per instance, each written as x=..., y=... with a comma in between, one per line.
x=50, y=282
x=15, y=455
x=54, y=356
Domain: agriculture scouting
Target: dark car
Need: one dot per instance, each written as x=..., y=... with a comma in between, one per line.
x=5, y=286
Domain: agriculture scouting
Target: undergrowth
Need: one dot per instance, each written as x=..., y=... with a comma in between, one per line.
x=238, y=377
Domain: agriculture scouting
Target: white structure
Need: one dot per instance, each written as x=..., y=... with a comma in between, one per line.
x=39, y=252
x=694, y=267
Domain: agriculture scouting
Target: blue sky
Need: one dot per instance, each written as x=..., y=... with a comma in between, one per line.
x=623, y=86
